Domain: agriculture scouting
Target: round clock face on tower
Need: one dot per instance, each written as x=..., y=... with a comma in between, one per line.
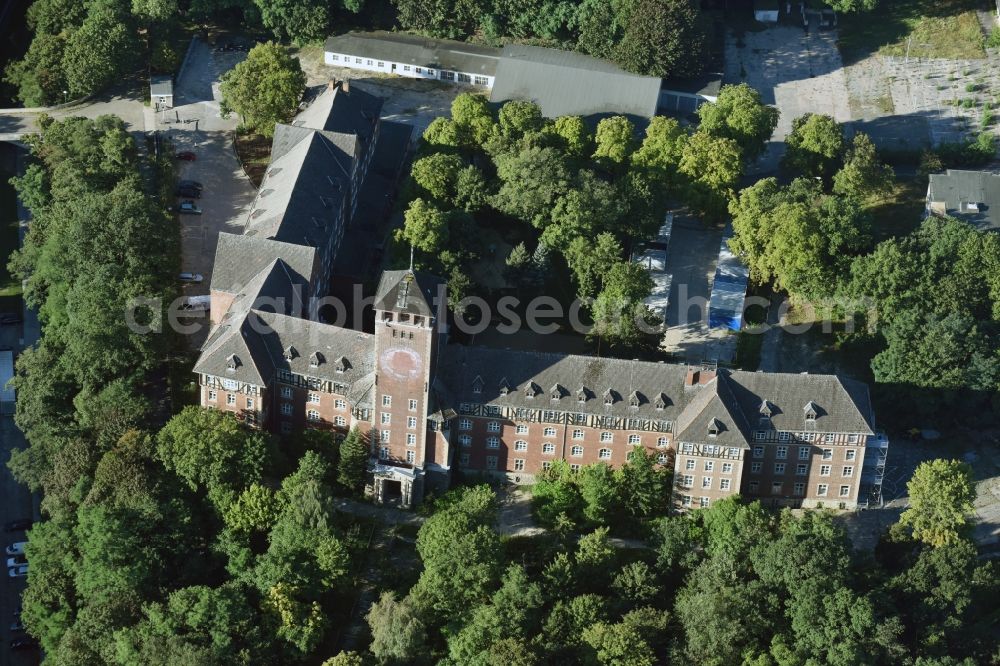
x=402, y=364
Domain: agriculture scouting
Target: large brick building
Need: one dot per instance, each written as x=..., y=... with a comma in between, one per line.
x=428, y=407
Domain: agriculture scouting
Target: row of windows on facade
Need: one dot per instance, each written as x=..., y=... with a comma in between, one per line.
x=707, y=482
x=385, y=436
x=784, y=436
x=802, y=470
x=385, y=454
x=573, y=418
x=548, y=448
x=805, y=453
x=231, y=399
x=519, y=463
x=523, y=429
x=446, y=75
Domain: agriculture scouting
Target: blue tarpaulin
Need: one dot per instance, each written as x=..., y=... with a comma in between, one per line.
x=729, y=288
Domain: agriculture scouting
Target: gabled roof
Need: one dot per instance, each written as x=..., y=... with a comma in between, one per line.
x=973, y=196
x=302, y=193
x=409, y=292
x=417, y=51
x=714, y=409
x=161, y=85
x=239, y=258
x=343, y=111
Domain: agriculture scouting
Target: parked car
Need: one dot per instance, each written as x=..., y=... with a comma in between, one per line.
x=19, y=525
x=16, y=548
x=193, y=184
x=18, y=572
x=23, y=644
x=195, y=305
x=190, y=277
x=17, y=626
x=188, y=208
x=187, y=156
x=16, y=561
x=189, y=192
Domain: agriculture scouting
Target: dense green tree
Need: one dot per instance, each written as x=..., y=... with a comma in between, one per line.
x=713, y=166
x=574, y=136
x=39, y=75
x=264, y=89
x=518, y=117
x=532, y=182
x=52, y=17
x=675, y=539
x=636, y=583
x=599, y=490
x=815, y=146
x=556, y=494
x=471, y=113
x=660, y=154
x=941, y=496
x=353, y=462
x=645, y=485
x=98, y=53
x=151, y=11
x=295, y=20
x=425, y=227
x=852, y=5
x=437, y=174
x=862, y=175
x=592, y=206
x=614, y=139
x=443, y=132
x=620, y=315
x=600, y=25
x=256, y=509
x=451, y=19
x=663, y=38
x=398, y=633
x=739, y=114
x=345, y=659
x=619, y=645
x=472, y=191
x=589, y=259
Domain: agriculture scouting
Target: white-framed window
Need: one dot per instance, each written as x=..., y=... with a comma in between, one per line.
x=493, y=426
x=574, y=467
x=781, y=452
x=406, y=68
x=411, y=421
x=491, y=462
x=312, y=415
x=549, y=432
x=706, y=482
x=852, y=439
x=411, y=456
x=635, y=439
x=662, y=458
x=661, y=442
x=357, y=61
x=387, y=401
x=821, y=489
x=703, y=502
x=548, y=448
x=520, y=445
x=803, y=453
x=845, y=491
x=464, y=78
x=412, y=405
x=577, y=434
x=430, y=71
x=752, y=487
x=711, y=449
x=312, y=397
x=334, y=57
x=759, y=435
x=386, y=418
x=230, y=398
x=850, y=455
x=734, y=452
x=784, y=436
x=686, y=500
x=381, y=64
x=779, y=468
x=518, y=464
x=286, y=408
x=368, y=62
x=384, y=436
x=212, y=395
x=463, y=459
x=848, y=470
x=709, y=465
x=755, y=468
x=604, y=454
x=801, y=470
x=411, y=439
x=576, y=451
x=521, y=429
x=727, y=468
x=546, y=464
x=687, y=481
x=493, y=442
x=827, y=454
x=799, y=489
x=758, y=452
x=286, y=392
x=340, y=421
x=689, y=464
x=340, y=404
x=777, y=487
x=481, y=80
x=607, y=437
x=447, y=76
x=383, y=453
x=687, y=447
x=465, y=440
x=465, y=424
x=725, y=484
x=828, y=438
x=824, y=470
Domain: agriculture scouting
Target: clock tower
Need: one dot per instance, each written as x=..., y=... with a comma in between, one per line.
x=409, y=320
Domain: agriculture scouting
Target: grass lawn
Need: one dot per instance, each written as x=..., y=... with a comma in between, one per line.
x=933, y=28
x=902, y=211
x=9, y=286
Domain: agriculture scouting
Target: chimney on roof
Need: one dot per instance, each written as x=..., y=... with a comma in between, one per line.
x=698, y=377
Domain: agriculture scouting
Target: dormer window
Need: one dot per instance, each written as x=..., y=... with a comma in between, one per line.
x=504, y=387
x=233, y=362
x=581, y=395
x=477, y=385
x=341, y=364
x=811, y=411
x=609, y=397
x=714, y=427
x=556, y=392
x=290, y=353
x=316, y=360
x=661, y=401
x=765, y=409
x=634, y=400
x=531, y=390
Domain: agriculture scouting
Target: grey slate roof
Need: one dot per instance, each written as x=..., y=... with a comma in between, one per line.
x=417, y=51
x=161, y=85
x=239, y=258
x=409, y=292
x=568, y=83
x=957, y=187
x=351, y=111
x=714, y=405
x=303, y=190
